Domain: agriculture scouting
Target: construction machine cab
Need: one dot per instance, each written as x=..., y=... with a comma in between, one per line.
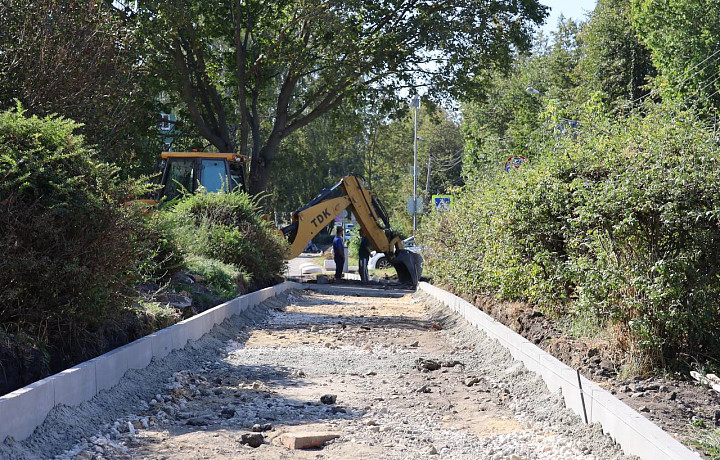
x=188, y=171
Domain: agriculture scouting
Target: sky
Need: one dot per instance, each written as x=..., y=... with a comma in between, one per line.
x=575, y=9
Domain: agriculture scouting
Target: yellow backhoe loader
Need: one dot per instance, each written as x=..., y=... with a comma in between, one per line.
x=218, y=172
x=350, y=193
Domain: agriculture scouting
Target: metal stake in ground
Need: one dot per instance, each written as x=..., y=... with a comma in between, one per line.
x=582, y=396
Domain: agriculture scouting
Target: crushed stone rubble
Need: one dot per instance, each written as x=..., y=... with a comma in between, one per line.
x=383, y=387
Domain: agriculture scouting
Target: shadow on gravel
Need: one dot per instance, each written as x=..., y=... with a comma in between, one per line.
x=304, y=321
x=348, y=288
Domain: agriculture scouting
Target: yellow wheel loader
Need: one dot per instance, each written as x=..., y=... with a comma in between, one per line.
x=188, y=171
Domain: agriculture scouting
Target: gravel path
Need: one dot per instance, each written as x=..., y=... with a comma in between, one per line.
x=407, y=377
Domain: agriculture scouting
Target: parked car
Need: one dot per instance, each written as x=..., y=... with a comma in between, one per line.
x=378, y=259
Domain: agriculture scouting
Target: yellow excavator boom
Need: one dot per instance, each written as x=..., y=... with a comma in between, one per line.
x=350, y=193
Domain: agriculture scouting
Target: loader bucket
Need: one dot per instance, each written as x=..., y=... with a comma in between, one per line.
x=408, y=266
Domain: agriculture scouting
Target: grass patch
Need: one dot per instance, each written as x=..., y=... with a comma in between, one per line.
x=582, y=326
x=321, y=260
x=382, y=272
x=708, y=441
x=221, y=278
x=157, y=315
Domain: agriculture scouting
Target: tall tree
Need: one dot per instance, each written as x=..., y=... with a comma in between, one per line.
x=684, y=37
x=613, y=59
x=252, y=72
x=442, y=154
x=512, y=120
x=314, y=158
x=81, y=60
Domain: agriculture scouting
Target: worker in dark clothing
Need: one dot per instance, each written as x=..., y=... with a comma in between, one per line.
x=339, y=253
x=364, y=256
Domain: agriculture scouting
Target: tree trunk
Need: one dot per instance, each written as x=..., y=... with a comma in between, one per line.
x=262, y=165
x=259, y=177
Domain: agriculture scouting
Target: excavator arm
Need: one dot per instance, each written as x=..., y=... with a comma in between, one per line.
x=350, y=193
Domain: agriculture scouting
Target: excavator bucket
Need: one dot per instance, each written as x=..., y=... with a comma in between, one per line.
x=408, y=266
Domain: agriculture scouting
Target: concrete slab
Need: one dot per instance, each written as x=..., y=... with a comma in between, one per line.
x=195, y=327
x=225, y=310
x=109, y=368
x=139, y=353
x=216, y=316
x=162, y=343
x=180, y=335
x=531, y=355
x=241, y=304
x=309, y=269
x=25, y=409
x=307, y=439
x=75, y=385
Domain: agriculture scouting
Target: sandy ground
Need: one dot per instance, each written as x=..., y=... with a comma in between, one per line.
x=409, y=379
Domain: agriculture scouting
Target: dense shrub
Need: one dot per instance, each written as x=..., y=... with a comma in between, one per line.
x=163, y=255
x=69, y=245
x=228, y=227
x=621, y=224
x=221, y=278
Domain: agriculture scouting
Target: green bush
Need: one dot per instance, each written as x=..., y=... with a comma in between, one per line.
x=70, y=247
x=228, y=227
x=222, y=279
x=621, y=224
x=163, y=254
x=354, y=245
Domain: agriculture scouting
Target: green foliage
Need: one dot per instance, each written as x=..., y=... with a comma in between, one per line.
x=163, y=253
x=315, y=157
x=708, y=441
x=157, y=315
x=619, y=224
x=82, y=60
x=378, y=149
x=614, y=61
x=228, y=227
x=222, y=279
x=69, y=245
x=354, y=245
x=683, y=37
x=514, y=121
x=232, y=66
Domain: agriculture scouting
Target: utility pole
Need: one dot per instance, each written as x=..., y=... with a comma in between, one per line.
x=416, y=105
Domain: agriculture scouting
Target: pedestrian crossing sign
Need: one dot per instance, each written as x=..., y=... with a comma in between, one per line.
x=442, y=202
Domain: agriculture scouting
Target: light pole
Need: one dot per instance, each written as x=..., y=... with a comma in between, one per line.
x=416, y=105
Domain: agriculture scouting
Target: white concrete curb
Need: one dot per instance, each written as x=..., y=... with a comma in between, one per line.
x=636, y=434
x=25, y=409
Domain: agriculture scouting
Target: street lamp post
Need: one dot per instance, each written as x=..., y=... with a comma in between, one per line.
x=416, y=105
